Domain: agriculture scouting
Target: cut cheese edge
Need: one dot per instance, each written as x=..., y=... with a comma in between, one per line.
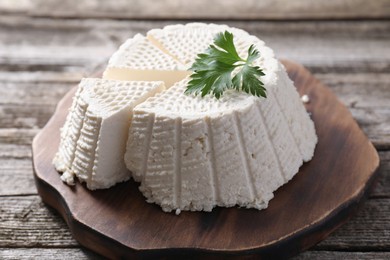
x=139, y=60
x=92, y=148
x=168, y=77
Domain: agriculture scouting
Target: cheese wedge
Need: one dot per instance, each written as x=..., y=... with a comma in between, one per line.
x=138, y=59
x=93, y=140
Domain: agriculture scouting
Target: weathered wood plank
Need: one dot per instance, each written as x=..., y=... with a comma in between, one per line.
x=202, y=9
x=17, y=136
x=48, y=253
x=375, y=124
x=331, y=255
x=7, y=77
x=368, y=230
x=18, y=116
x=82, y=253
x=118, y=30
x=68, y=45
x=382, y=187
x=30, y=93
x=26, y=222
x=367, y=95
x=16, y=177
x=16, y=151
x=359, y=90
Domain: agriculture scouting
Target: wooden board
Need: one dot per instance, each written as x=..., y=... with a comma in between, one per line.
x=119, y=223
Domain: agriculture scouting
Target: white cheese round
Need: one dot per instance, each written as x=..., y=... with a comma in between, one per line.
x=187, y=152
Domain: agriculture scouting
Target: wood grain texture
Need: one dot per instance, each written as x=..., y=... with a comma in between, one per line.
x=382, y=189
x=27, y=222
x=15, y=177
x=351, y=57
x=17, y=136
x=202, y=9
x=43, y=227
x=51, y=253
x=84, y=254
x=331, y=255
x=42, y=44
x=133, y=228
x=363, y=233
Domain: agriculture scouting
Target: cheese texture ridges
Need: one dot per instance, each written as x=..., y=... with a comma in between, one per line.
x=93, y=140
x=184, y=42
x=193, y=153
x=138, y=59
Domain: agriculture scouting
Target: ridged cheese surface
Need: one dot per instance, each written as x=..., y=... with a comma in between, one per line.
x=139, y=60
x=235, y=150
x=184, y=42
x=187, y=152
x=93, y=140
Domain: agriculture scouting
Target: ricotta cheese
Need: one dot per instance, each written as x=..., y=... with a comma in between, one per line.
x=93, y=140
x=187, y=152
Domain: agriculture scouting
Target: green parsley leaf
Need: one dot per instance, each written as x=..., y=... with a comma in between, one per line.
x=212, y=70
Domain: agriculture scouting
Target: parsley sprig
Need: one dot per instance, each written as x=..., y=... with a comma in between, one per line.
x=212, y=70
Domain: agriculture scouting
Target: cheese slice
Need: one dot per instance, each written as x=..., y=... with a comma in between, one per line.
x=139, y=60
x=94, y=138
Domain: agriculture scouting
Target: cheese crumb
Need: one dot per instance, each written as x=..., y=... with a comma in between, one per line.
x=305, y=99
x=68, y=178
x=178, y=211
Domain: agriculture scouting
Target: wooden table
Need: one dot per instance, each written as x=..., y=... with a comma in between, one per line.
x=46, y=47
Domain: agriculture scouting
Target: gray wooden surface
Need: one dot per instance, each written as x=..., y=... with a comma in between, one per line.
x=47, y=46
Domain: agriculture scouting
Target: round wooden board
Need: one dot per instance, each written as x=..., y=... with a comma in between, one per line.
x=118, y=223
